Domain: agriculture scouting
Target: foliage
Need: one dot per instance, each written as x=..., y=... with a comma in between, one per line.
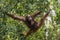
x=11, y=29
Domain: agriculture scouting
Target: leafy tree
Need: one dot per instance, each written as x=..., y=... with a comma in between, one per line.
x=11, y=29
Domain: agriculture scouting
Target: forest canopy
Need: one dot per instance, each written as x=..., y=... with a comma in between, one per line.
x=11, y=29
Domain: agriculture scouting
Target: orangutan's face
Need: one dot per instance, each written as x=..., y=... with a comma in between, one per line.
x=29, y=18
